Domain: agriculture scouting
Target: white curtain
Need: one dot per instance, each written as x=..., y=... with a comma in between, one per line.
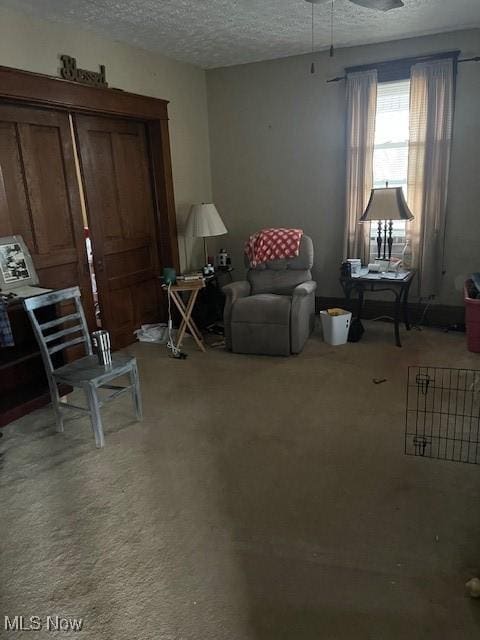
x=361, y=112
x=431, y=112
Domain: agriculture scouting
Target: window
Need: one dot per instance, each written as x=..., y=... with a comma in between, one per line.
x=390, y=155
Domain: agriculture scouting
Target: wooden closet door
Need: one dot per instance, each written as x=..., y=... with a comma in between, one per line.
x=119, y=197
x=39, y=196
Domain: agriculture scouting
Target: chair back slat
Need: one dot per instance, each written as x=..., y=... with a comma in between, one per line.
x=65, y=345
x=64, y=332
x=54, y=323
x=53, y=297
x=32, y=305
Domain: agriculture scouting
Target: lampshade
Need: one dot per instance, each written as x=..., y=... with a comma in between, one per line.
x=204, y=221
x=387, y=203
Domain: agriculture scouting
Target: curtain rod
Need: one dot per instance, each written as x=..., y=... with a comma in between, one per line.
x=405, y=62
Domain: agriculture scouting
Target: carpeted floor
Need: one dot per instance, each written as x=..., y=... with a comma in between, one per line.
x=261, y=498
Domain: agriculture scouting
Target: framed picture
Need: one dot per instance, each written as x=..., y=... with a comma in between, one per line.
x=16, y=266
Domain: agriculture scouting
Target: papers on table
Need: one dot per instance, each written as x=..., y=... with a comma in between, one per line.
x=399, y=275
x=387, y=275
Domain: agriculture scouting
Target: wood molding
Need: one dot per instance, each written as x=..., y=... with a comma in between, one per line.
x=49, y=91
x=33, y=89
x=438, y=315
x=159, y=147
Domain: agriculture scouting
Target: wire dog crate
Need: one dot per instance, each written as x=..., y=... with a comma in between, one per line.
x=443, y=414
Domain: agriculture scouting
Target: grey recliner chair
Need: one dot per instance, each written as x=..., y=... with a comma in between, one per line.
x=273, y=311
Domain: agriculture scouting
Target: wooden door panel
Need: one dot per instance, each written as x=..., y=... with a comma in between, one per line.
x=130, y=267
x=104, y=197
x=14, y=209
x=53, y=277
x=145, y=297
x=121, y=302
x=120, y=204
x=48, y=189
x=132, y=307
x=135, y=201
x=41, y=196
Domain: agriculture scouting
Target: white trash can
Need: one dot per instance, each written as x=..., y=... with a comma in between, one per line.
x=335, y=327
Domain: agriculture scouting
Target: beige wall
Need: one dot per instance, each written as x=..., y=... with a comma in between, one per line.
x=35, y=45
x=278, y=153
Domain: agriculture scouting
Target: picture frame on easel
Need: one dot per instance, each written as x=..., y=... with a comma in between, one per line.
x=16, y=264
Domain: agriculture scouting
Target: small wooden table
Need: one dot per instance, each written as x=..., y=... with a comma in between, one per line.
x=398, y=286
x=185, y=310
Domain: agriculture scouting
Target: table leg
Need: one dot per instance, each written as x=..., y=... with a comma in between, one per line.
x=185, y=312
x=347, y=292
x=360, y=292
x=398, y=304
x=405, y=306
x=194, y=330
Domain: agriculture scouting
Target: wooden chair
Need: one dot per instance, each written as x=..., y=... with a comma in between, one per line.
x=85, y=373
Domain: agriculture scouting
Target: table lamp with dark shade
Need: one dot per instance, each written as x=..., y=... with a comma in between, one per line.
x=385, y=205
x=204, y=221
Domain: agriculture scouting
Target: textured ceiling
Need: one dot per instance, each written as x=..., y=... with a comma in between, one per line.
x=216, y=33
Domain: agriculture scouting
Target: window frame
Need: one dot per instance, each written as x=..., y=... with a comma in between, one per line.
x=399, y=239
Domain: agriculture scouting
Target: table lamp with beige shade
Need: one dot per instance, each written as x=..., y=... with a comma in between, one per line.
x=204, y=221
x=385, y=205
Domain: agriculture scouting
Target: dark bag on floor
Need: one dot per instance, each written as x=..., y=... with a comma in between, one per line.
x=356, y=330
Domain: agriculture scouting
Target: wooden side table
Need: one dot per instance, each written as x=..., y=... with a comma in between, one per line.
x=398, y=286
x=174, y=291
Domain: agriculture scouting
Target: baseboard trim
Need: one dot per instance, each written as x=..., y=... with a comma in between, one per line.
x=437, y=315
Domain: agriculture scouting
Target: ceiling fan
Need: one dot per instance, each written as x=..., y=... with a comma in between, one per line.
x=378, y=5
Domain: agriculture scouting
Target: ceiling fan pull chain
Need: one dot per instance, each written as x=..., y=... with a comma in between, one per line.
x=312, y=66
x=332, y=52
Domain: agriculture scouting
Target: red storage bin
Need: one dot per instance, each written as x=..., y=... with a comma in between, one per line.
x=472, y=319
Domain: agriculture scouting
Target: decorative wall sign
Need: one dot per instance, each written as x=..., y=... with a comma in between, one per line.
x=70, y=71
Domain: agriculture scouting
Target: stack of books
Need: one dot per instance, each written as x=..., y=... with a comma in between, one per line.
x=190, y=277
